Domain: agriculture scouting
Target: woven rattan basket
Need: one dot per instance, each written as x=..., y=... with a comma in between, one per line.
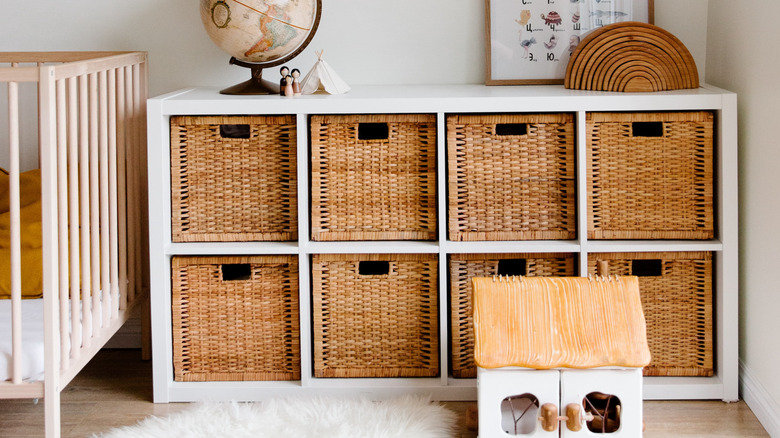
x=650, y=175
x=373, y=177
x=463, y=267
x=233, y=178
x=375, y=315
x=511, y=177
x=676, y=289
x=235, y=318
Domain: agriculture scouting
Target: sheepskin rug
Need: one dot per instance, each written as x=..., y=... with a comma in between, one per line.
x=321, y=417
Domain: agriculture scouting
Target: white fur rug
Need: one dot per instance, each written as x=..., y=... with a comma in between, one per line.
x=321, y=417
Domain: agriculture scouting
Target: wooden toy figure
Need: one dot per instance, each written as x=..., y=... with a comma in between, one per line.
x=288, y=86
x=296, y=84
x=284, y=71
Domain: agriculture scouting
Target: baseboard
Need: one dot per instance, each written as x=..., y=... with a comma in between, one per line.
x=761, y=402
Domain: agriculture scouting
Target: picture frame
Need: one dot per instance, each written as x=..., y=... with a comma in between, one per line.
x=530, y=42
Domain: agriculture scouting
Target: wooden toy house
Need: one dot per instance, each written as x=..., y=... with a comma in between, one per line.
x=565, y=351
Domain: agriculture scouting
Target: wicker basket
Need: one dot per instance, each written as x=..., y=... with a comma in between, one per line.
x=511, y=177
x=650, y=175
x=375, y=315
x=233, y=178
x=676, y=290
x=235, y=318
x=373, y=177
x=463, y=267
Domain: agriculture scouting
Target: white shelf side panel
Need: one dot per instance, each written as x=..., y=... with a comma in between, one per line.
x=727, y=260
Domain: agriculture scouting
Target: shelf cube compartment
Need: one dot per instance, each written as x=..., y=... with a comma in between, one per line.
x=235, y=318
x=650, y=175
x=375, y=315
x=373, y=177
x=233, y=178
x=676, y=291
x=464, y=267
x=511, y=177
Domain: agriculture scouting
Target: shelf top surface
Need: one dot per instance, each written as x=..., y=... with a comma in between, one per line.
x=439, y=98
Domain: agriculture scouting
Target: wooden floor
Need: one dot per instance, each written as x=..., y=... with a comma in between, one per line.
x=115, y=390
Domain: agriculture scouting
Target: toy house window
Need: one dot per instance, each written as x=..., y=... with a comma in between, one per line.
x=605, y=409
x=519, y=414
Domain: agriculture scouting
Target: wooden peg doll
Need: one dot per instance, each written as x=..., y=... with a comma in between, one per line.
x=288, y=86
x=296, y=83
x=284, y=71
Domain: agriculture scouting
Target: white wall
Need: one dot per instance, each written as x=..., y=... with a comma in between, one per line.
x=742, y=57
x=367, y=42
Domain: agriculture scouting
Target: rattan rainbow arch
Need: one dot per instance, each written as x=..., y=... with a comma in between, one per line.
x=631, y=57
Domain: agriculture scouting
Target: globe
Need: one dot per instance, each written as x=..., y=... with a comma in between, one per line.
x=260, y=33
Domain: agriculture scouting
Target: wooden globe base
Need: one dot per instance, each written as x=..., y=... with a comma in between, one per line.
x=254, y=86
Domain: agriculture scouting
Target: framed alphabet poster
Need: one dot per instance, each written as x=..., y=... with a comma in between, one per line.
x=531, y=41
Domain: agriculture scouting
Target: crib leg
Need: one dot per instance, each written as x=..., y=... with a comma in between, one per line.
x=51, y=407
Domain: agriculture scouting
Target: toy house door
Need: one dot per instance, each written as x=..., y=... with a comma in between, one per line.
x=511, y=401
x=610, y=402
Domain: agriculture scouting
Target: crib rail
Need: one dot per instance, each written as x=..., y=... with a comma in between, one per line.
x=91, y=140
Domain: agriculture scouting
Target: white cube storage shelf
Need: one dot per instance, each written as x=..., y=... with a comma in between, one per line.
x=441, y=101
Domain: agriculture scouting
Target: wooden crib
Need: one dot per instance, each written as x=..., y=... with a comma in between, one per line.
x=90, y=133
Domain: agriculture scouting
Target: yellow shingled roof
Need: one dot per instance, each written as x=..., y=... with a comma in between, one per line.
x=559, y=322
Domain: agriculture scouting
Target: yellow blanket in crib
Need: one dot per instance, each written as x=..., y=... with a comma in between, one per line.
x=32, y=261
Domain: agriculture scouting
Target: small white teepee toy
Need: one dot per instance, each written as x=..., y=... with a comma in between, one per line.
x=322, y=77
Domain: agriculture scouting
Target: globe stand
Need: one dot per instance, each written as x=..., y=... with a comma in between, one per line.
x=254, y=86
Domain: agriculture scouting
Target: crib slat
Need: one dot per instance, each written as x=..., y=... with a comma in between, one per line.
x=62, y=221
x=112, y=195
x=104, y=207
x=141, y=85
x=132, y=180
x=16, y=242
x=121, y=146
x=86, y=279
x=73, y=219
x=130, y=172
x=94, y=203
